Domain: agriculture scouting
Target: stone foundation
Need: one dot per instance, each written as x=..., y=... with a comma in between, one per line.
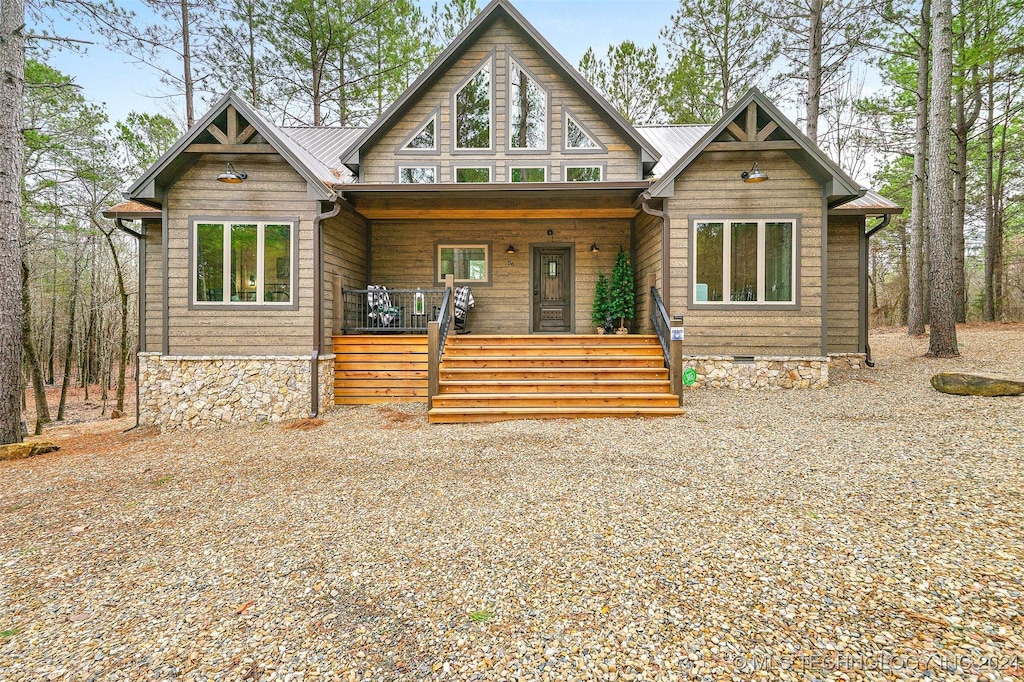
x=725, y=371
x=848, y=360
x=193, y=392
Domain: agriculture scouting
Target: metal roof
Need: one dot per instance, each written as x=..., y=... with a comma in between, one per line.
x=326, y=145
x=673, y=141
x=131, y=210
x=872, y=203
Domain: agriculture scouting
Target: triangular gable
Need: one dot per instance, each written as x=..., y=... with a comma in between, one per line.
x=763, y=128
x=493, y=11
x=256, y=136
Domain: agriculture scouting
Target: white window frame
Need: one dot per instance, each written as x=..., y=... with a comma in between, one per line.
x=470, y=166
x=569, y=116
x=566, y=168
x=260, y=263
x=410, y=166
x=406, y=149
x=547, y=109
x=487, y=62
x=727, y=263
x=528, y=167
x=486, y=246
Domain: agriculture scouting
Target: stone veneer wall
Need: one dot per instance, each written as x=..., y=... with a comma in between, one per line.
x=191, y=392
x=849, y=360
x=723, y=371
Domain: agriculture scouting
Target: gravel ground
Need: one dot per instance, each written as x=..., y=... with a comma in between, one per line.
x=869, y=531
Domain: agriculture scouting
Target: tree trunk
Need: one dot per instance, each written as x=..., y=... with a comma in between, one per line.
x=814, y=68
x=70, y=339
x=31, y=358
x=186, y=63
x=905, y=297
x=942, y=311
x=123, y=350
x=53, y=312
x=12, y=87
x=915, y=271
x=970, y=86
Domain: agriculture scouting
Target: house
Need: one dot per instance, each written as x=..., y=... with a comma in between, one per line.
x=502, y=169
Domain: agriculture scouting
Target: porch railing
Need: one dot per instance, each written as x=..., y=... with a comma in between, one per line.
x=660, y=322
x=437, y=335
x=398, y=311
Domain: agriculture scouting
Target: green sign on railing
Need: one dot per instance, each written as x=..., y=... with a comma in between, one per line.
x=689, y=376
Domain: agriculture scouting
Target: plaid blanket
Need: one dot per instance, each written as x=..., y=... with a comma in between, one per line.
x=463, y=302
x=379, y=303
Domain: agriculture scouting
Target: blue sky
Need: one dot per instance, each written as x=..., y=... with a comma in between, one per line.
x=108, y=76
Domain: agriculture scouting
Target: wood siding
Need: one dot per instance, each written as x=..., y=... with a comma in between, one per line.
x=711, y=187
x=647, y=254
x=380, y=369
x=844, y=284
x=501, y=41
x=272, y=190
x=154, y=288
x=345, y=255
x=404, y=253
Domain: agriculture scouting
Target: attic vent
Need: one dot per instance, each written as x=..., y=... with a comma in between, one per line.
x=743, y=359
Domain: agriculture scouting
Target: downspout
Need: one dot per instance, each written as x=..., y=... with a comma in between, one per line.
x=665, y=234
x=318, y=319
x=886, y=218
x=140, y=236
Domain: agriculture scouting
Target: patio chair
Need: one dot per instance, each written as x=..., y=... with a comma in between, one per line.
x=462, y=303
x=380, y=311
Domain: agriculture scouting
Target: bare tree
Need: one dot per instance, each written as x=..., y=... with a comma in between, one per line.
x=915, y=262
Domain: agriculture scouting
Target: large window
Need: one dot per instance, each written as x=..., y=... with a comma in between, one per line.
x=473, y=111
x=528, y=174
x=583, y=173
x=528, y=110
x=473, y=174
x=417, y=174
x=243, y=262
x=468, y=262
x=744, y=261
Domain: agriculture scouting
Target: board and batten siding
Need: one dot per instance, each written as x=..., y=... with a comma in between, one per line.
x=154, y=287
x=647, y=254
x=711, y=188
x=404, y=252
x=273, y=190
x=345, y=255
x=844, y=283
x=501, y=40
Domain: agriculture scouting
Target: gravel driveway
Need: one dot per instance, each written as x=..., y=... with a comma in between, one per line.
x=872, y=530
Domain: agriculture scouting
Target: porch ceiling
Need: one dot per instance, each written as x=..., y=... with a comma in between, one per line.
x=495, y=201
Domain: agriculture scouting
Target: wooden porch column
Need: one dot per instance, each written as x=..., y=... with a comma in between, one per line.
x=338, y=307
x=652, y=281
x=675, y=355
x=433, y=361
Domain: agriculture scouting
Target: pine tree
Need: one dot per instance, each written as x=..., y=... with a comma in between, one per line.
x=602, y=300
x=622, y=294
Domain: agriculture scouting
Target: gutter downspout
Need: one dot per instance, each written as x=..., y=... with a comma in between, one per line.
x=665, y=234
x=886, y=219
x=318, y=320
x=139, y=236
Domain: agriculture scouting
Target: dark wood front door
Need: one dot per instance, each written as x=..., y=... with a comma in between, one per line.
x=552, y=289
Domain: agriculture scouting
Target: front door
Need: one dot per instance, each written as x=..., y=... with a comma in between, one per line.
x=552, y=289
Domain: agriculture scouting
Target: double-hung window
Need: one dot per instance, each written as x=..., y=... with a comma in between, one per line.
x=243, y=262
x=744, y=261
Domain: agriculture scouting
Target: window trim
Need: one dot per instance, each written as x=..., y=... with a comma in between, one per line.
x=568, y=114
x=261, y=222
x=524, y=166
x=455, y=148
x=434, y=116
x=510, y=59
x=600, y=166
x=489, y=167
x=488, y=252
x=761, y=219
x=407, y=166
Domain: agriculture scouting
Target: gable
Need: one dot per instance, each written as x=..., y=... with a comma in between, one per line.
x=501, y=39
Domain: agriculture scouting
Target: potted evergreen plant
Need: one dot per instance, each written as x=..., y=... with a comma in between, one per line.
x=602, y=302
x=623, y=293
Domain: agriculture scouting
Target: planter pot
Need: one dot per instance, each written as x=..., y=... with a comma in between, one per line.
x=622, y=330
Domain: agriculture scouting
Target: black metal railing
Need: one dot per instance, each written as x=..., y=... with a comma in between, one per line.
x=398, y=311
x=659, y=318
x=444, y=320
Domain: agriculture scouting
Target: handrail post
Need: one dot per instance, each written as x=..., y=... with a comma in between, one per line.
x=338, y=307
x=675, y=345
x=433, y=360
x=652, y=281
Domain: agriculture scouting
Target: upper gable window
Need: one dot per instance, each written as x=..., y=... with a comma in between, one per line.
x=576, y=137
x=425, y=138
x=417, y=174
x=473, y=111
x=528, y=110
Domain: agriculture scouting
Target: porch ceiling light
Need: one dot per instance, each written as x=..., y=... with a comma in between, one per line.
x=593, y=248
x=754, y=175
x=510, y=249
x=231, y=176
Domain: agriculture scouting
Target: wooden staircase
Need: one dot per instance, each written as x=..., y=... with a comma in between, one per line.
x=493, y=378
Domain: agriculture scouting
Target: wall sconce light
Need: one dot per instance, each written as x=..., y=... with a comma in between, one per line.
x=754, y=175
x=593, y=248
x=510, y=249
x=231, y=176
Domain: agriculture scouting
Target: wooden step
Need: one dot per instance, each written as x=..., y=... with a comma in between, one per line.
x=558, y=361
x=592, y=374
x=516, y=350
x=459, y=415
x=549, y=386
x=518, y=339
x=552, y=400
